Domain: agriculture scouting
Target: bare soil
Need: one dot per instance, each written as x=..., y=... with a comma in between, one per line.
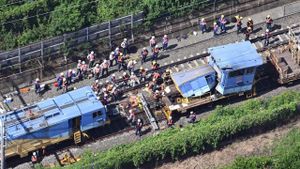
x=256, y=145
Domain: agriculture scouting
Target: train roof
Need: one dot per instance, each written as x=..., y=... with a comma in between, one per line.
x=51, y=111
x=235, y=56
x=182, y=77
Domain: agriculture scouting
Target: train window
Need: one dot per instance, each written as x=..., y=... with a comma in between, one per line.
x=236, y=73
x=250, y=70
x=97, y=114
x=209, y=79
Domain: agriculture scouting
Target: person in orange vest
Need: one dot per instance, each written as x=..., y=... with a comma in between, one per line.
x=269, y=22
x=91, y=59
x=34, y=158
x=120, y=61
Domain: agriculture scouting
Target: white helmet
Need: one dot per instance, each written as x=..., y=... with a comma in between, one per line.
x=124, y=73
x=125, y=39
x=156, y=46
x=144, y=48
x=97, y=65
x=79, y=61
x=132, y=73
x=165, y=36
x=83, y=62
x=96, y=81
x=139, y=120
x=192, y=112
x=34, y=153
x=117, y=48
x=112, y=53
x=92, y=52
x=106, y=81
x=267, y=30
x=153, y=37
x=62, y=74
x=113, y=75
x=70, y=70
x=37, y=79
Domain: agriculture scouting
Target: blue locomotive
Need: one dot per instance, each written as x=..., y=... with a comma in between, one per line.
x=52, y=121
x=229, y=70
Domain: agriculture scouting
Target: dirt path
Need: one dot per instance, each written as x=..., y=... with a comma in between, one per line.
x=255, y=145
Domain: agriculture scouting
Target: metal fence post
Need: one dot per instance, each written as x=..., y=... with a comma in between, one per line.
x=132, y=38
x=20, y=61
x=87, y=34
x=109, y=33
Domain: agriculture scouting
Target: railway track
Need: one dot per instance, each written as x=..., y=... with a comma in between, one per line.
x=278, y=38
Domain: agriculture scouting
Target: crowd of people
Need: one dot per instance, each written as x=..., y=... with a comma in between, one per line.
x=120, y=57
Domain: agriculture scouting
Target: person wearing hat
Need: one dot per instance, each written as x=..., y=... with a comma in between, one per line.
x=96, y=71
x=250, y=23
x=65, y=85
x=267, y=36
x=222, y=22
x=113, y=79
x=203, y=25
x=78, y=68
x=165, y=42
x=124, y=46
x=84, y=69
x=152, y=43
x=238, y=23
x=144, y=54
x=248, y=33
x=59, y=81
x=215, y=28
x=69, y=75
x=37, y=86
x=104, y=67
x=96, y=86
x=192, y=117
x=155, y=53
x=121, y=62
x=269, y=22
x=125, y=78
x=138, y=127
x=130, y=65
x=142, y=72
x=111, y=58
x=155, y=65
x=133, y=79
x=34, y=158
x=170, y=121
x=91, y=59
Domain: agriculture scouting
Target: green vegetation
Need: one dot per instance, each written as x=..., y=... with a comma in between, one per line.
x=24, y=22
x=224, y=123
x=286, y=154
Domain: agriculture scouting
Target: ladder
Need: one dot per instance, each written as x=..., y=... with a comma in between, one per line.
x=148, y=112
x=77, y=137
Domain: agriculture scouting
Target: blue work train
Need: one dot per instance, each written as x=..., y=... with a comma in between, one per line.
x=52, y=121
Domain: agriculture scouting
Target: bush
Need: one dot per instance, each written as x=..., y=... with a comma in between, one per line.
x=222, y=124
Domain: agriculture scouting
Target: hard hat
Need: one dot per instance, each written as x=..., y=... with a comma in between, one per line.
x=141, y=67
x=107, y=81
x=144, y=48
x=104, y=89
x=156, y=91
x=268, y=16
x=202, y=19
x=267, y=30
x=154, y=62
x=79, y=61
x=192, y=112
x=170, y=117
x=97, y=65
x=92, y=52
x=132, y=73
x=156, y=46
x=70, y=70
x=249, y=19
x=153, y=37
x=83, y=62
x=105, y=94
x=121, y=54
x=139, y=120
x=215, y=23
x=146, y=69
x=100, y=83
x=124, y=73
x=64, y=79
x=222, y=16
x=113, y=75
x=249, y=28
x=37, y=79
x=117, y=48
x=96, y=81
x=165, y=36
x=130, y=111
x=125, y=39
x=112, y=53
x=61, y=74
x=34, y=153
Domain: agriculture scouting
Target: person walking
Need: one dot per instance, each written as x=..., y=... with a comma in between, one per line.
x=155, y=53
x=152, y=43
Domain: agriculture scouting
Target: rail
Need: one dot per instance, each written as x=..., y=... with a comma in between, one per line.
x=148, y=113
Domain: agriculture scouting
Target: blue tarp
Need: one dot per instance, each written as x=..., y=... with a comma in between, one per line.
x=235, y=56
